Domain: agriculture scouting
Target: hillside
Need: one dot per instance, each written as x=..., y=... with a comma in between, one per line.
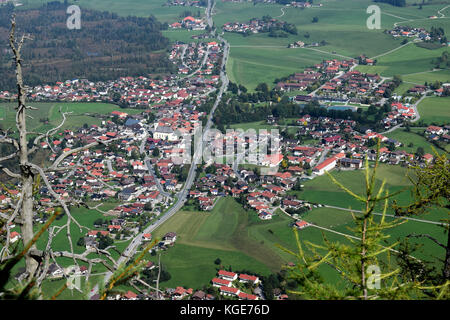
x=106, y=47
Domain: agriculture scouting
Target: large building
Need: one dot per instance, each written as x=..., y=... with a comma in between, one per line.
x=165, y=133
x=328, y=164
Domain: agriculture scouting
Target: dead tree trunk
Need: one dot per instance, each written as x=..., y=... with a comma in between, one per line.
x=26, y=173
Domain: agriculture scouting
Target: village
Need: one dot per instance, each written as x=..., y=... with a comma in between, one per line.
x=255, y=25
x=189, y=23
x=436, y=34
x=135, y=168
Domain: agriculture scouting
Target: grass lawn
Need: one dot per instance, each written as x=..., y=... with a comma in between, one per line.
x=141, y=8
x=50, y=111
x=184, y=35
x=403, y=88
x=407, y=60
x=322, y=190
x=412, y=137
x=86, y=218
x=257, y=125
x=429, y=77
x=435, y=110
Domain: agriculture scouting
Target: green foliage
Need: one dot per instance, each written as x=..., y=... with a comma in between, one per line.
x=354, y=262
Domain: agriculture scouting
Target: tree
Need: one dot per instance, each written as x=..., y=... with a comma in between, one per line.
x=217, y=261
x=358, y=264
x=31, y=177
x=420, y=152
x=430, y=189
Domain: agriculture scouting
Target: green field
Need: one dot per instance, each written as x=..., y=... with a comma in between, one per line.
x=342, y=24
x=435, y=110
x=50, y=111
x=232, y=234
x=140, y=8
x=409, y=59
x=184, y=35
x=412, y=137
x=321, y=190
x=429, y=77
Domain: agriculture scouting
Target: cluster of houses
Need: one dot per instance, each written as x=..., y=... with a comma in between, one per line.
x=185, y=3
x=304, y=4
x=227, y=282
x=327, y=70
x=410, y=32
x=200, y=57
x=138, y=91
x=354, y=83
x=296, y=44
x=255, y=25
x=189, y=23
x=436, y=133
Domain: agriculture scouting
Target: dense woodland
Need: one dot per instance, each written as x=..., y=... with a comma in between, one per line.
x=106, y=47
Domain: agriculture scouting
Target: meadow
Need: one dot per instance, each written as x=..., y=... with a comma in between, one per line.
x=412, y=137
x=236, y=236
x=406, y=60
x=341, y=24
x=85, y=218
x=435, y=110
x=140, y=8
x=81, y=113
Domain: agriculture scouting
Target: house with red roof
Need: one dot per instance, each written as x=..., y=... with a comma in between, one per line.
x=247, y=296
x=301, y=224
x=245, y=278
x=428, y=157
x=130, y=295
x=227, y=275
x=229, y=291
x=218, y=282
x=324, y=166
x=14, y=236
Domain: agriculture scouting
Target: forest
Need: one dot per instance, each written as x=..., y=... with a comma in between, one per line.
x=106, y=47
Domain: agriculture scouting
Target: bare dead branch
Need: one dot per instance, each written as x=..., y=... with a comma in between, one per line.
x=76, y=150
x=414, y=235
x=48, y=133
x=11, y=174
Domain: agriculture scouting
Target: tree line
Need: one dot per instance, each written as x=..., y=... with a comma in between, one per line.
x=106, y=47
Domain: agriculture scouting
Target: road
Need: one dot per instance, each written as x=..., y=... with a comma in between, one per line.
x=158, y=183
x=340, y=74
x=416, y=111
x=130, y=251
x=323, y=155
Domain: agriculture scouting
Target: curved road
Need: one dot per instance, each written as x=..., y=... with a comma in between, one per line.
x=182, y=195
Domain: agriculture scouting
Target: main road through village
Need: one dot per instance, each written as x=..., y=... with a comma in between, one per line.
x=181, y=197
